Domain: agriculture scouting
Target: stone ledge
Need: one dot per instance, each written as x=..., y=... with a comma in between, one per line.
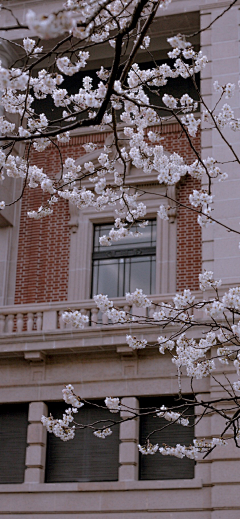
x=116, y=486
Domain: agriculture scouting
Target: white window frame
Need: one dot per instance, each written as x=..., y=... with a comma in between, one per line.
x=82, y=229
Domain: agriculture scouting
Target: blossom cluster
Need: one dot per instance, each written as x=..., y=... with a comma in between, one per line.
x=192, y=355
x=103, y=433
x=75, y=319
x=138, y=298
x=70, y=398
x=113, y=404
x=180, y=451
x=135, y=343
x=61, y=427
x=165, y=344
x=171, y=416
x=206, y=280
x=148, y=448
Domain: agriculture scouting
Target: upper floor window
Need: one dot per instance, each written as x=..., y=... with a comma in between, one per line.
x=159, y=466
x=13, y=442
x=128, y=264
x=86, y=457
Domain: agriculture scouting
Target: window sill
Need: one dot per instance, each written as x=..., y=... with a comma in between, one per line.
x=105, y=486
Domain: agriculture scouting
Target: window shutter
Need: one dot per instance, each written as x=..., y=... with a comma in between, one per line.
x=86, y=457
x=13, y=439
x=158, y=466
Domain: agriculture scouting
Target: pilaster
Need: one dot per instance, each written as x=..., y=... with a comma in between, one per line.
x=128, y=451
x=36, y=439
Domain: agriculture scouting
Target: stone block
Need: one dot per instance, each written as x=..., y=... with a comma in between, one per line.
x=34, y=475
x=128, y=453
x=49, y=320
x=36, y=410
x=129, y=430
x=36, y=433
x=229, y=50
x=207, y=250
x=227, y=499
x=128, y=473
x=225, y=472
x=35, y=456
x=224, y=66
x=130, y=402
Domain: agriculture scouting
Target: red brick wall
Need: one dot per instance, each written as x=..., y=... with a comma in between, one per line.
x=189, y=236
x=43, y=253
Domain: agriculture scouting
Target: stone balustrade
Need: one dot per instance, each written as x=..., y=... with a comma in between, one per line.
x=46, y=317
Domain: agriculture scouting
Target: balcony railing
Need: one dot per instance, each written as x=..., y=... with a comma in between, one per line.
x=47, y=317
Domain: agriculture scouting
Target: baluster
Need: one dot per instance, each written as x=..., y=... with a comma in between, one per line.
x=94, y=317
x=60, y=320
x=127, y=309
x=10, y=323
x=2, y=323
x=39, y=321
x=19, y=323
x=104, y=319
x=29, y=321
x=151, y=311
x=84, y=312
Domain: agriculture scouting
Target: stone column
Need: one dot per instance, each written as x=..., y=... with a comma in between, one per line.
x=36, y=439
x=128, y=452
x=221, y=45
x=10, y=216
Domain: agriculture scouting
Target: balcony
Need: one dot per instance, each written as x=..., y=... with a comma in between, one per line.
x=36, y=330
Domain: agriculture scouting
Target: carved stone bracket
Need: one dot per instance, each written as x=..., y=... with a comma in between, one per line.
x=172, y=212
x=74, y=214
x=34, y=356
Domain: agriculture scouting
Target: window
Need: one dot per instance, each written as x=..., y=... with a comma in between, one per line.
x=13, y=441
x=85, y=458
x=165, y=467
x=126, y=265
x=175, y=87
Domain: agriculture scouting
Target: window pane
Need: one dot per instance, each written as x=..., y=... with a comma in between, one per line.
x=140, y=276
x=95, y=278
x=85, y=458
x=147, y=238
x=153, y=276
x=105, y=277
x=13, y=441
x=126, y=265
x=159, y=466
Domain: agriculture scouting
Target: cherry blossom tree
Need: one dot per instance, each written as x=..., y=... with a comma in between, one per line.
x=120, y=103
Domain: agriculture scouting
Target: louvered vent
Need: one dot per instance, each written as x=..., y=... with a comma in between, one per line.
x=158, y=466
x=85, y=458
x=13, y=441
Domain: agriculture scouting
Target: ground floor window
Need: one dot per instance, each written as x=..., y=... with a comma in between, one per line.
x=85, y=458
x=159, y=466
x=13, y=442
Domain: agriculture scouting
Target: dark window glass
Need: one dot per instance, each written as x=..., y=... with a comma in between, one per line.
x=126, y=265
x=13, y=440
x=158, y=466
x=176, y=87
x=86, y=457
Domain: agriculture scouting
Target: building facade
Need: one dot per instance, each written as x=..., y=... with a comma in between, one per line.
x=55, y=264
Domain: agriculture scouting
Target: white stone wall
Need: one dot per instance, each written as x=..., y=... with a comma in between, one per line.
x=214, y=492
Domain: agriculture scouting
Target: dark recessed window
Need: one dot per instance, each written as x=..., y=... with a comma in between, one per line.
x=86, y=457
x=176, y=87
x=158, y=466
x=125, y=265
x=13, y=442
